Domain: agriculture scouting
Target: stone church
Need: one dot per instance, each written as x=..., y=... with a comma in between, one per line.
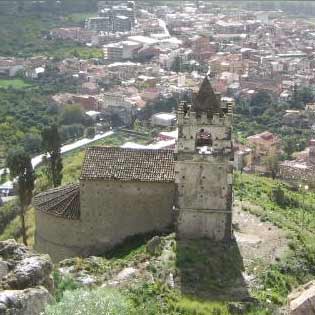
x=124, y=192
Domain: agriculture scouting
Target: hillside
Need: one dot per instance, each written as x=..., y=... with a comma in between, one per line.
x=272, y=254
x=253, y=275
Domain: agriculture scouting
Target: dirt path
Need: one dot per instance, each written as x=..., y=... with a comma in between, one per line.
x=260, y=243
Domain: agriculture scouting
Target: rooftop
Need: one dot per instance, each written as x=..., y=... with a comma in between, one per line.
x=266, y=135
x=165, y=116
x=123, y=164
x=61, y=202
x=143, y=39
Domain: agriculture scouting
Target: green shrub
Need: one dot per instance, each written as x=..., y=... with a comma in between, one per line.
x=188, y=306
x=101, y=301
x=12, y=230
x=62, y=285
x=7, y=213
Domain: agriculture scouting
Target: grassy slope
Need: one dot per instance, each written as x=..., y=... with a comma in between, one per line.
x=15, y=84
x=256, y=195
x=209, y=271
x=293, y=215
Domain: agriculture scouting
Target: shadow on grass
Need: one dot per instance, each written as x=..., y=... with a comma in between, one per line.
x=133, y=244
x=211, y=270
x=128, y=246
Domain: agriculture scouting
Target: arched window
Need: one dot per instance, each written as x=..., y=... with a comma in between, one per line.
x=203, y=138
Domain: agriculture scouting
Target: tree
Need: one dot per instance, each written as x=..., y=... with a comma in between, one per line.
x=20, y=166
x=71, y=132
x=137, y=125
x=260, y=102
x=32, y=143
x=278, y=195
x=90, y=132
x=272, y=164
x=290, y=145
x=176, y=65
x=301, y=97
x=72, y=114
x=306, y=95
x=51, y=144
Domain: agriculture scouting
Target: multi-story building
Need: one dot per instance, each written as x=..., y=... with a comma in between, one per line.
x=122, y=24
x=99, y=24
x=121, y=50
x=113, y=17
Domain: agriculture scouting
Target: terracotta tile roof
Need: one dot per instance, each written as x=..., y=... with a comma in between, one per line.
x=112, y=163
x=62, y=202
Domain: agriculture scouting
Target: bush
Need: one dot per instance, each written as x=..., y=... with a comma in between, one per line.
x=62, y=285
x=278, y=196
x=74, y=131
x=100, y=301
x=90, y=132
x=8, y=212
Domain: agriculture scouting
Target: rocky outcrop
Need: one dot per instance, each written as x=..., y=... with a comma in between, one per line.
x=302, y=300
x=154, y=245
x=24, y=302
x=25, y=280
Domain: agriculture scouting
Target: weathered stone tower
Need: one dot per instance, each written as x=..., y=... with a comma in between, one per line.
x=203, y=170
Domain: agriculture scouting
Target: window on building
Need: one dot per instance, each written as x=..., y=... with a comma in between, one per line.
x=203, y=138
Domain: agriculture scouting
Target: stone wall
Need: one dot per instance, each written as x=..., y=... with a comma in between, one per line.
x=114, y=210
x=110, y=212
x=297, y=173
x=59, y=237
x=207, y=224
x=204, y=199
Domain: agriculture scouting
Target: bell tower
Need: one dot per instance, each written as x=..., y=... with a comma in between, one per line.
x=203, y=171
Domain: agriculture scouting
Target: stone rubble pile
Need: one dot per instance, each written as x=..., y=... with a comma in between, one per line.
x=25, y=280
x=302, y=300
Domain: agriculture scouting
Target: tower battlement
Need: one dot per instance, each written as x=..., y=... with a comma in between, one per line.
x=185, y=116
x=204, y=132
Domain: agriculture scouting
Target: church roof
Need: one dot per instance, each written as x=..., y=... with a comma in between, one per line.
x=61, y=202
x=113, y=163
x=205, y=100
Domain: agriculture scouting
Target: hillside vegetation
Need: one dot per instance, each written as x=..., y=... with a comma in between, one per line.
x=292, y=211
x=28, y=35
x=207, y=277
x=271, y=200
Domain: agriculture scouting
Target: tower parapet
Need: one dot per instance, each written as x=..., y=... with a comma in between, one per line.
x=203, y=171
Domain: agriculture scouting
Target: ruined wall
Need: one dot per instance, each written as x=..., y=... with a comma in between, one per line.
x=113, y=210
x=297, y=173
